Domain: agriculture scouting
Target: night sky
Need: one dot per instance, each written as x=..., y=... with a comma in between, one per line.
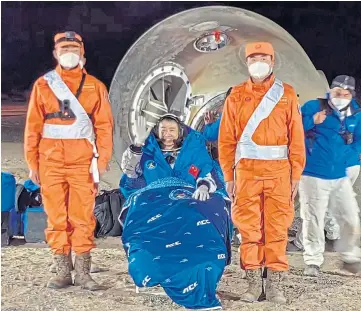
x=330, y=33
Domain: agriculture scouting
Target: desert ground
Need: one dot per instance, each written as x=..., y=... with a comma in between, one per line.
x=24, y=267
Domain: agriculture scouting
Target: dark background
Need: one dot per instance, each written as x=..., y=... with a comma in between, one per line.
x=330, y=33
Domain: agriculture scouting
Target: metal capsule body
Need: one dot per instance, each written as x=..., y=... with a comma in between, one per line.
x=187, y=62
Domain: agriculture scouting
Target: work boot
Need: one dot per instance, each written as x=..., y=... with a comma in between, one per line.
x=330, y=245
x=292, y=247
x=94, y=268
x=352, y=267
x=82, y=273
x=52, y=268
x=63, y=272
x=274, y=292
x=311, y=270
x=255, y=286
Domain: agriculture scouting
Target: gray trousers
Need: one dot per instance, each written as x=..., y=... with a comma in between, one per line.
x=332, y=228
x=315, y=196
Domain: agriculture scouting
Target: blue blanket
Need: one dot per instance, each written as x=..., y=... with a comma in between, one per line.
x=177, y=242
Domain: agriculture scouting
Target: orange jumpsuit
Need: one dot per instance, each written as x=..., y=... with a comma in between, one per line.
x=67, y=187
x=262, y=210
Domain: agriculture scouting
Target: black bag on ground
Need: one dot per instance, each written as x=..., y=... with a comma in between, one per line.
x=107, y=210
x=24, y=198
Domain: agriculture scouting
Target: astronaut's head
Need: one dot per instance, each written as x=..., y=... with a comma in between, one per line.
x=169, y=131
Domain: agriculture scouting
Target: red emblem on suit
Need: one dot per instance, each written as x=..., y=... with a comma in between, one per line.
x=194, y=171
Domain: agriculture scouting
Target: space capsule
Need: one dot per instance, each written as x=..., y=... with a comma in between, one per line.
x=187, y=62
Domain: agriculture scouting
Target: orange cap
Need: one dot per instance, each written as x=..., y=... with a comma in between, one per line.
x=68, y=38
x=260, y=48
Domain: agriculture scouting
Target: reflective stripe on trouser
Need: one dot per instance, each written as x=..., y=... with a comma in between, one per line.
x=68, y=196
x=262, y=212
x=315, y=194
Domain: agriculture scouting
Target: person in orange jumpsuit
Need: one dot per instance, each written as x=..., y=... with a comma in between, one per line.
x=262, y=155
x=68, y=144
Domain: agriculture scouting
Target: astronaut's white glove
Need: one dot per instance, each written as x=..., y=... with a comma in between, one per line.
x=201, y=193
x=141, y=132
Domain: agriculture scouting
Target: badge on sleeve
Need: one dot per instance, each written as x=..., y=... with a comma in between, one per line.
x=194, y=171
x=150, y=164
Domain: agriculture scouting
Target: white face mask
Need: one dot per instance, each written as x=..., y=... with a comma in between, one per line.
x=259, y=70
x=340, y=103
x=69, y=60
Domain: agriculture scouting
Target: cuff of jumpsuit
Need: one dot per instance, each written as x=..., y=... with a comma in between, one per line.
x=229, y=176
x=135, y=149
x=102, y=163
x=205, y=183
x=296, y=176
x=34, y=167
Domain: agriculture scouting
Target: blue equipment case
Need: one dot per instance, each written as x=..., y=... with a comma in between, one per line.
x=35, y=222
x=8, y=188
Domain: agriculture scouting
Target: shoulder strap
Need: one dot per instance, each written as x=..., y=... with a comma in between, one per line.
x=239, y=89
x=60, y=114
x=324, y=105
x=228, y=92
x=78, y=92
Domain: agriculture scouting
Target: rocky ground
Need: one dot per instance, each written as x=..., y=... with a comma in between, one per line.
x=25, y=273
x=24, y=268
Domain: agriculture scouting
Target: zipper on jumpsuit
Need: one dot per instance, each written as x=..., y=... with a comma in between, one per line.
x=179, y=157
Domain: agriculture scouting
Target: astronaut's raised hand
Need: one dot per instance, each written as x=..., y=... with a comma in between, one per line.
x=141, y=131
x=201, y=194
